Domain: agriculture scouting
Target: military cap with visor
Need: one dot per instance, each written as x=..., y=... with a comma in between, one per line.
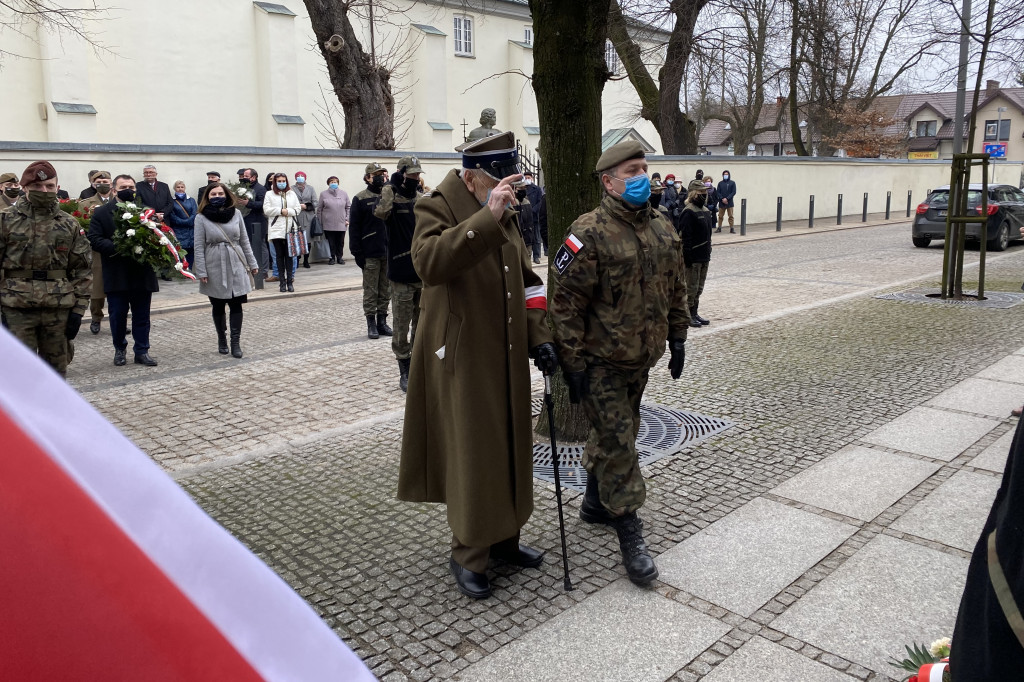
x=620, y=153
x=496, y=156
x=99, y=175
x=411, y=164
x=697, y=186
x=8, y=177
x=374, y=167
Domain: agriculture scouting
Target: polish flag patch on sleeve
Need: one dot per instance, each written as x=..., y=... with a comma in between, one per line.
x=567, y=253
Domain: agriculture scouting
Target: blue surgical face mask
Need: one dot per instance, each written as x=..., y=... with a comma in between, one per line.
x=725, y=177
x=638, y=190
x=333, y=185
x=179, y=195
x=282, y=185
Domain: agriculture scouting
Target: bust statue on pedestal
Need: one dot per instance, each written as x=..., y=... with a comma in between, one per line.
x=487, y=120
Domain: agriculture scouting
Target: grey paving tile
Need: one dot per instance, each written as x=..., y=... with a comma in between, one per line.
x=981, y=396
x=857, y=481
x=888, y=594
x=621, y=633
x=777, y=663
x=953, y=513
x=1010, y=368
x=994, y=456
x=933, y=433
x=746, y=558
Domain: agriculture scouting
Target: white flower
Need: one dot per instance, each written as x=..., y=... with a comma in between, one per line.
x=150, y=223
x=940, y=647
x=179, y=267
x=164, y=241
x=138, y=249
x=129, y=233
x=131, y=205
x=126, y=216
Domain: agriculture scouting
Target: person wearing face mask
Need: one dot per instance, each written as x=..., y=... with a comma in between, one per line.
x=694, y=226
x=534, y=193
x=10, y=190
x=712, y=202
x=670, y=195
x=524, y=214
x=212, y=178
x=726, y=200
x=46, y=269
x=332, y=210
x=369, y=246
x=91, y=189
x=103, y=193
x=128, y=284
x=307, y=198
x=282, y=209
x=484, y=317
x=255, y=221
x=618, y=297
x=182, y=217
x=224, y=262
x=397, y=201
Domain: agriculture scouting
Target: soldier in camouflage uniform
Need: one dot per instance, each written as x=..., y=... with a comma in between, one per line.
x=617, y=296
x=368, y=243
x=397, y=200
x=10, y=190
x=47, y=269
x=100, y=181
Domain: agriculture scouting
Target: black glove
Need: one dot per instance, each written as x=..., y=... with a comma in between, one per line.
x=678, y=349
x=398, y=177
x=360, y=262
x=545, y=358
x=73, y=325
x=579, y=385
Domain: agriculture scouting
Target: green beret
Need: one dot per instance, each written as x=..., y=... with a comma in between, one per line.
x=697, y=186
x=616, y=154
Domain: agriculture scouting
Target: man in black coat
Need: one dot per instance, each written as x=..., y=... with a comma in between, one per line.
x=534, y=193
x=127, y=283
x=154, y=194
x=255, y=221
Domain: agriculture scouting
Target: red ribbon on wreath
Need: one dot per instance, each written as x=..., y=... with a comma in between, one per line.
x=159, y=232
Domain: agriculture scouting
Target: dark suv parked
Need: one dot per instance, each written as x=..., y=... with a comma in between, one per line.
x=1005, y=215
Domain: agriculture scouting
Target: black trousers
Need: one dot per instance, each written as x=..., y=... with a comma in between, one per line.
x=233, y=304
x=118, y=305
x=336, y=240
x=284, y=261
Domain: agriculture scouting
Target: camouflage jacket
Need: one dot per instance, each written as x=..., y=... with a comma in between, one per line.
x=617, y=288
x=46, y=261
x=397, y=213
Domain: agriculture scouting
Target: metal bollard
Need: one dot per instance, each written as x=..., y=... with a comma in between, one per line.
x=810, y=213
x=743, y=217
x=888, y=204
x=864, y=212
x=259, y=253
x=778, y=216
x=839, y=211
x=908, y=202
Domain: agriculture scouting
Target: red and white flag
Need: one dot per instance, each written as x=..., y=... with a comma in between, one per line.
x=109, y=570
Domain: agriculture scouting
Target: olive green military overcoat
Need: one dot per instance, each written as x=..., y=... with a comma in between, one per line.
x=467, y=438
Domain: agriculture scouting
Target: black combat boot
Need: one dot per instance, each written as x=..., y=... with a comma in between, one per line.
x=236, y=334
x=371, y=327
x=403, y=375
x=221, y=325
x=635, y=557
x=382, y=325
x=696, y=315
x=694, y=322
x=591, y=509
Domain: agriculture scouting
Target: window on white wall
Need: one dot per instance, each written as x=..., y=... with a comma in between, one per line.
x=463, y=33
x=528, y=35
x=611, y=58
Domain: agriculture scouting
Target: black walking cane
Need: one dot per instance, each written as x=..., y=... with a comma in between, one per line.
x=550, y=403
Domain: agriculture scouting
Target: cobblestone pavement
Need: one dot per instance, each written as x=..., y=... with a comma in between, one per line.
x=295, y=449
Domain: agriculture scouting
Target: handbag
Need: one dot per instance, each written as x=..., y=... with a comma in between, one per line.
x=297, y=245
x=315, y=228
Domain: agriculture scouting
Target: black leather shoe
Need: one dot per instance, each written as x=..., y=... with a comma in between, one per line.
x=524, y=556
x=119, y=358
x=694, y=322
x=702, y=320
x=635, y=557
x=591, y=509
x=94, y=327
x=144, y=359
x=475, y=585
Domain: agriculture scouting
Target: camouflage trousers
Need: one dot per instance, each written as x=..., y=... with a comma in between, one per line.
x=613, y=408
x=405, y=311
x=42, y=330
x=696, y=274
x=376, y=287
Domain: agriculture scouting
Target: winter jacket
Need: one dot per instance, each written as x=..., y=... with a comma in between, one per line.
x=279, y=225
x=396, y=210
x=694, y=226
x=217, y=258
x=670, y=199
x=726, y=190
x=182, y=219
x=524, y=215
x=542, y=218
x=306, y=195
x=333, y=209
x=367, y=234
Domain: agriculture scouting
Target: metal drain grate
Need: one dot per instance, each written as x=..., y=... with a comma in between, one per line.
x=663, y=432
x=993, y=299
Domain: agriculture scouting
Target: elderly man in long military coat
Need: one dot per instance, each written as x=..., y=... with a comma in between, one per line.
x=468, y=438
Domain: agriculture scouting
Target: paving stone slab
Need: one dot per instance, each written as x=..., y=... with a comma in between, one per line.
x=775, y=663
x=933, y=433
x=857, y=481
x=746, y=558
x=981, y=396
x=1010, y=368
x=954, y=513
x=993, y=458
x=888, y=594
x=622, y=633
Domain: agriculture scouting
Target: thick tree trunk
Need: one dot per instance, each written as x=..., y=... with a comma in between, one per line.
x=794, y=75
x=363, y=88
x=569, y=74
